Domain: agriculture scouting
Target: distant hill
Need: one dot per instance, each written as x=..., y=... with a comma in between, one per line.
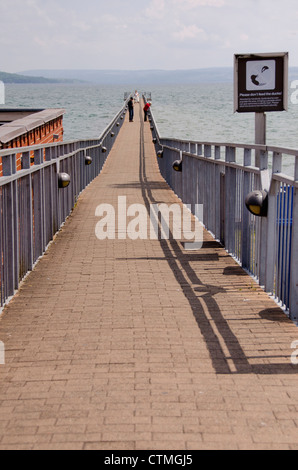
x=140, y=77
x=17, y=78
x=145, y=77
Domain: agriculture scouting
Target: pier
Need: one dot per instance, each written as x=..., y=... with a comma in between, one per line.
x=140, y=344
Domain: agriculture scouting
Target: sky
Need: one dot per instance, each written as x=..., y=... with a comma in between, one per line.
x=142, y=34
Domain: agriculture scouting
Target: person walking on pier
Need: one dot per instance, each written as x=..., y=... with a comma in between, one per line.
x=131, y=110
x=137, y=97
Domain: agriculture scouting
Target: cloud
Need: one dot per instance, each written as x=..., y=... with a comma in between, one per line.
x=142, y=34
x=188, y=32
x=40, y=42
x=40, y=12
x=156, y=10
x=190, y=4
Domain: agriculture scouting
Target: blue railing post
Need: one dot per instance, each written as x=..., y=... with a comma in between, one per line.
x=294, y=252
x=272, y=224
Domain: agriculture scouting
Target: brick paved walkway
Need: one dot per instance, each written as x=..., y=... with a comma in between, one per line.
x=122, y=344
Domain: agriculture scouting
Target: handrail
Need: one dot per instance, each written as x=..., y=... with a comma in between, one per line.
x=6, y=152
x=34, y=204
x=264, y=148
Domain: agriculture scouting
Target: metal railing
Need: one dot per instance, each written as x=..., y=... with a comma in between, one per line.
x=220, y=176
x=32, y=205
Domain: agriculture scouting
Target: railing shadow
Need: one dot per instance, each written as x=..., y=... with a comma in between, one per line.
x=199, y=295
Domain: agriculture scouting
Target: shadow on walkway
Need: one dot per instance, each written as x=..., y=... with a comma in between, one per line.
x=198, y=294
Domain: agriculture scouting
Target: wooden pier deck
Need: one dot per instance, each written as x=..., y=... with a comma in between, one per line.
x=140, y=345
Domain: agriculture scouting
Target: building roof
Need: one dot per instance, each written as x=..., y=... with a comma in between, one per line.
x=31, y=120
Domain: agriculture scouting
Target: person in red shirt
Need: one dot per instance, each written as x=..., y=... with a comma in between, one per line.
x=146, y=109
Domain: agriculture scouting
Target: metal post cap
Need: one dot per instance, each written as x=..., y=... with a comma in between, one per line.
x=257, y=203
x=63, y=180
x=177, y=166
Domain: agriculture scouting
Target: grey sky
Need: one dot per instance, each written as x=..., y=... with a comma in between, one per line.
x=142, y=34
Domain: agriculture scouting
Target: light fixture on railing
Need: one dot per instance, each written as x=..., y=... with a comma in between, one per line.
x=154, y=140
x=112, y=134
x=88, y=160
x=104, y=149
x=257, y=203
x=160, y=154
x=177, y=166
x=63, y=180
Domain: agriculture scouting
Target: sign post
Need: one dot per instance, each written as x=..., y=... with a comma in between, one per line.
x=260, y=86
x=260, y=134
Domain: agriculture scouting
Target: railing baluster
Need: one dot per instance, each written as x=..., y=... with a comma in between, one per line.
x=293, y=301
x=266, y=247
x=33, y=207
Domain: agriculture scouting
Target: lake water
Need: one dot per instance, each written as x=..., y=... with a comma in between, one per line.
x=202, y=112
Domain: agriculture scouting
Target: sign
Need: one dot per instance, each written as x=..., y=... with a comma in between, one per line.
x=261, y=83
